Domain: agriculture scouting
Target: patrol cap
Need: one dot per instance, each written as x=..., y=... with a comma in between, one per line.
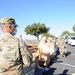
x=7, y=20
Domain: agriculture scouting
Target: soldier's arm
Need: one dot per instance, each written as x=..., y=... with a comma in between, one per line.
x=28, y=51
x=24, y=54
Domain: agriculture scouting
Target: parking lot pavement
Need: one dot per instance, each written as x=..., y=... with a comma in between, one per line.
x=63, y=66
x=63, y=69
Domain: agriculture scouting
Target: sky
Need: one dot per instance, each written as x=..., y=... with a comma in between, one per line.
x=59, y=15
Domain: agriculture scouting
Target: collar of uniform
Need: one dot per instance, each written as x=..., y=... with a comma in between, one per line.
x=6, y=34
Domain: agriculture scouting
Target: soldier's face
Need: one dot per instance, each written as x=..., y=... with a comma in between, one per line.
x=12, y=28
x=14, y=32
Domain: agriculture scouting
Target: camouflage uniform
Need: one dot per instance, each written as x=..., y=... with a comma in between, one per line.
x=11, y=58
x=13, y=51
x=61, y=45
x=26, y=48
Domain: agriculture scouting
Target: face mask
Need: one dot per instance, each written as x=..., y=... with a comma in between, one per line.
x=14, y=32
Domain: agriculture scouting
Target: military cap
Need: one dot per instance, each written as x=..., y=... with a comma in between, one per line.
x=7, y=20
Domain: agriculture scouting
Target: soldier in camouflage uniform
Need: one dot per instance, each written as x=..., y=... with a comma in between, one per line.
x=13, y=53
x=61, y=45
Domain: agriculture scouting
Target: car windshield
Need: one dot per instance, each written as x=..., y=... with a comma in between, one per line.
x=73, y=38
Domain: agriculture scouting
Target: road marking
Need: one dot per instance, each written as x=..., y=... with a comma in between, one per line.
x=67, y=64
x=73, y=73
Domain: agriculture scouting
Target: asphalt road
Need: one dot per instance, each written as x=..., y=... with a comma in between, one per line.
x=62, y=66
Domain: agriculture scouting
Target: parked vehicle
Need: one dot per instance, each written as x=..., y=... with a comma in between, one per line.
x=71, y=40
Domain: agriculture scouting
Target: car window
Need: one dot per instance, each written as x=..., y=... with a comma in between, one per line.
x=73, y=38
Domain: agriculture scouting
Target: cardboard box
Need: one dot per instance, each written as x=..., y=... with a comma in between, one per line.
x=51, y=45
x=35, y=54
x=44, y=60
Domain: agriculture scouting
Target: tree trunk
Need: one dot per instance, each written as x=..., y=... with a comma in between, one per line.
x=38, y=38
